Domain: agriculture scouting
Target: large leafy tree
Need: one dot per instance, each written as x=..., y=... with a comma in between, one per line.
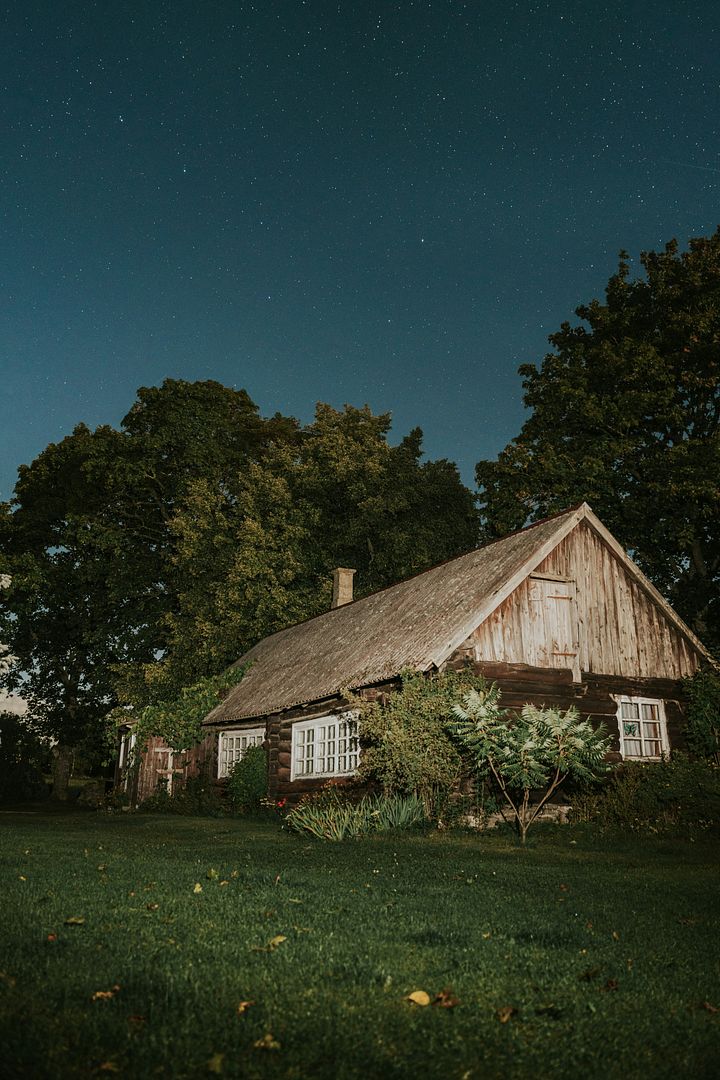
x=88, y=544
x=626, y=415
x=258, y=554
x=147, y=558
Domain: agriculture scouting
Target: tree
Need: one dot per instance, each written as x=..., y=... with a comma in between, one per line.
x=88, y=543
x=257, y=554
x=536, y=750
x=147, y=559
x=626, y=415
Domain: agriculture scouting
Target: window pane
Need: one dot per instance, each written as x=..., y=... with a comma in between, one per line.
x=629, y=710
x=633, y=748
x=651, y=731
x=649, y=711
x=631, y=730
x=652, y=749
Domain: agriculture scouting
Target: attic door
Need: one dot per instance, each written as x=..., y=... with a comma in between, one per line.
x=554, y=635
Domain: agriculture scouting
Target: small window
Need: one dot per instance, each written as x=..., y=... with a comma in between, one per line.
x=643, y=732
x=233, y=744
x=327, y=746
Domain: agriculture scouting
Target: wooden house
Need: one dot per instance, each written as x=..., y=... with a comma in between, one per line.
x=556, y=614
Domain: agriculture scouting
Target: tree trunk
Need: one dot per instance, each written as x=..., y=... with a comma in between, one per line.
x=61, y=771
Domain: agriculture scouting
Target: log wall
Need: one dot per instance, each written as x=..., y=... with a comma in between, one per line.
x=521, y=684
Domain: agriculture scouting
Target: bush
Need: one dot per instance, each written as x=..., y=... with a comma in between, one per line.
x=196, y=797
x=655, y=796
x=406, y=747
x=247, y=783
x=22, y=756
x=702, y=731
x=334, y=815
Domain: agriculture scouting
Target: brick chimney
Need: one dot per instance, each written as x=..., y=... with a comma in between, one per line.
x=342, y=586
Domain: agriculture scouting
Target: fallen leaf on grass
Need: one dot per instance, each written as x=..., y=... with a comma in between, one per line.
x=52, y=938
x=277, y=940
x=446, y=999
x=615, y=935
x=137, y=1021
x=709, y=1008
x=215, y=1064
x=419, y=997
x=244, y=1006
x=102, y=866
x=109, y=1066
x=22, y=877
x=505, y=1013
x=198, y=887
x=212, y=874
x=75, y=920
x=105, y=995
x=267, y=1043
x=611, y=984
x=7, y=979
x=549, y=1010
x=589, y=975
x=224, y=883
x=152, y=907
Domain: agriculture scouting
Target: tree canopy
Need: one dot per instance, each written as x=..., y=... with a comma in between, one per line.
x=626, y=416
x=147, y=558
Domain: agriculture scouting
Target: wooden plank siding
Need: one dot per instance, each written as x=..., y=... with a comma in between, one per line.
x=621, y=630
x=160, y=765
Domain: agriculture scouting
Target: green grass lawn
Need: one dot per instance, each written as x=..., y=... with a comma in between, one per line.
x=577, y=957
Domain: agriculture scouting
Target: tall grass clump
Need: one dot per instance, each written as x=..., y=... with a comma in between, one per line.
x=333, y=815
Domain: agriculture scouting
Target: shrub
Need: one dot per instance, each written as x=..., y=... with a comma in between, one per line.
x=196, y=797
x=247, y=782
x=22, y=756
x=655, y=796
x=406, y=746
x=702, y=731
x=526, y=754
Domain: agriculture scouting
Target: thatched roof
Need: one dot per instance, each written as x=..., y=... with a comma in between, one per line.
x=416, y=624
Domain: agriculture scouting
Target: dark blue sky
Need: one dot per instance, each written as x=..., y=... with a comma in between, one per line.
x=347, y=202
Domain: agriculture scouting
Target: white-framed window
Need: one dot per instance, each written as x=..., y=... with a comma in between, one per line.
x=643, y=730
x=233, y=744
x=325, y=746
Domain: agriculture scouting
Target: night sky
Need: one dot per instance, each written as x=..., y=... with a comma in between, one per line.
x=347, y=202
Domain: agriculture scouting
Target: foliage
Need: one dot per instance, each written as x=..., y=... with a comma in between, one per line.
x=397, y=812
x=87, y=543
x=334, y=815
x=702, y=732
x=178, y=722
x=405, y=743
x=654, y=796
x=23, y=755
x=590, y=943
x=626, y=415
x=196, y=796
x=145, y=559
x=257, y=554
x=247, y=783
x=536, y=750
